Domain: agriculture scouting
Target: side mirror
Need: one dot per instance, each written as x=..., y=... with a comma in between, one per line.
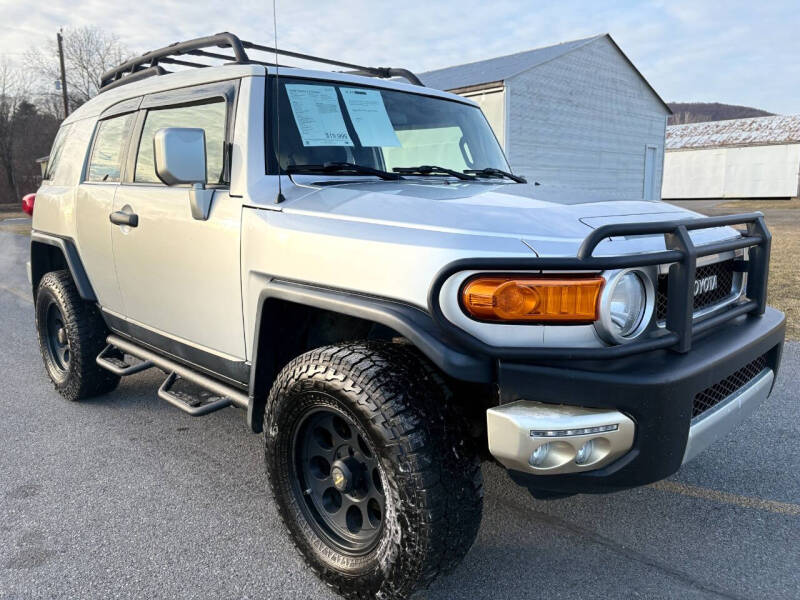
x=180, y=157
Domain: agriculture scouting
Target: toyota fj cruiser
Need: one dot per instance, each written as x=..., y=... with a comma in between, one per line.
x=348, y=258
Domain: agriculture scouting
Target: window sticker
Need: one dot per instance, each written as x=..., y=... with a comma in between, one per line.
x=369, y=117
x=318, y=116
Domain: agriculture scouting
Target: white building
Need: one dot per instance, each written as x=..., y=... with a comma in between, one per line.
x=578, y=118
x=741, y=158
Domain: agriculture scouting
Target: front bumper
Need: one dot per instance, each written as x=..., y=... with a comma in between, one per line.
x=656, y=390
x=727, y=415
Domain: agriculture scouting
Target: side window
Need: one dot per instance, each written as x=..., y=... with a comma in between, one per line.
x=209, y=117
x=110, y=139
x=55, y=152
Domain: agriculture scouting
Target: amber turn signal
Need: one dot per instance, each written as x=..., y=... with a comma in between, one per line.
x=532, y=299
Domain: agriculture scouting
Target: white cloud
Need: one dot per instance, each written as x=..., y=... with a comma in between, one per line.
x=737, y=52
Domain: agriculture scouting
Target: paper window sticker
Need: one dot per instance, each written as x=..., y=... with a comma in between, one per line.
x=318, y=115
x=370, y=119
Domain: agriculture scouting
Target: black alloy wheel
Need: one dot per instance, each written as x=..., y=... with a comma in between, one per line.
x=56, y=335
x=371, y=467
x=337, y=480
x=71, y=334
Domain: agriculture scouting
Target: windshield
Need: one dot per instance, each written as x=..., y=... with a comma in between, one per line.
x=323, y=122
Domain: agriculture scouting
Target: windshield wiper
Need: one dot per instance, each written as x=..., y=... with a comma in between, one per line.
x=343, y=167
x=433, y=170
x=492, y=172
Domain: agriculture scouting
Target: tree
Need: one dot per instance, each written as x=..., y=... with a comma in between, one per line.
x=88, y=53
x=11, y=94
x=701, y=112
x=30, y=107
x=25, y=134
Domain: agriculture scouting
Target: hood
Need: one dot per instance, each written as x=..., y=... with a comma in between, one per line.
x=549, y=227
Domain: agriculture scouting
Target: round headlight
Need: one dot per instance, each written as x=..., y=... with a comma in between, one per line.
x=626, y=306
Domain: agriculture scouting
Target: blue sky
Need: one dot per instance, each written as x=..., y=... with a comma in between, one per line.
x=735, y=51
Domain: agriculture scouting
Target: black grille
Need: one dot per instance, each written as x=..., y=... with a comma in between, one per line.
x=723, y=270
x=715, y=394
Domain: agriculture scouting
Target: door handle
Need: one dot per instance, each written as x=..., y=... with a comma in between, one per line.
x=120, y=217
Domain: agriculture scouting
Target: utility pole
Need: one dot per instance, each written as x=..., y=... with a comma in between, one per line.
x=63, y=73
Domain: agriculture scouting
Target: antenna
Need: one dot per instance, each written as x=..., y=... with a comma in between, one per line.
x=280, y=197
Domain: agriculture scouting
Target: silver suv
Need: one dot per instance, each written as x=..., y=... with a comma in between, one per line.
x=348, y=258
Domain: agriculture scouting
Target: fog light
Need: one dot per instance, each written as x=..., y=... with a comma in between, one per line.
x=539, y=455
x=544, y=439
x=568, y=432
x=585, y=453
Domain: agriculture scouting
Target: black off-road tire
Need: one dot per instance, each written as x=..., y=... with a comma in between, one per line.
x=430, y=470
x=84, y=333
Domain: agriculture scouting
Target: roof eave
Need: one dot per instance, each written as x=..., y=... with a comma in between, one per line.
x=638, y=72
x=489, y=85
x=482, y=85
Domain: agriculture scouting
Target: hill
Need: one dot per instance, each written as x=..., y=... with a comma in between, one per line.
x=700, y=112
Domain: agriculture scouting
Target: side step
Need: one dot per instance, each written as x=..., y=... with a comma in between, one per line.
x=215, y=394
x=113, y=360
x=194, y=402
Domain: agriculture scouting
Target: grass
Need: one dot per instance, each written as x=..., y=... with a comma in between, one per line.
x=783, y=220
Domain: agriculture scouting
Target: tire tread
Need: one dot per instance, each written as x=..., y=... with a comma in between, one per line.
x=87, y=336
x=409, y=402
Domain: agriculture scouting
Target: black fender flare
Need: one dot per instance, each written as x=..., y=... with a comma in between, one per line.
x=71, y=257
x=412, y=323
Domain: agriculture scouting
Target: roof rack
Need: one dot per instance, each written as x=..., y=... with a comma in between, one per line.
x=149, y=63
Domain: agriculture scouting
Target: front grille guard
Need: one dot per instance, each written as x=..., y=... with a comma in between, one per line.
x=727, y=290
x=681, y=253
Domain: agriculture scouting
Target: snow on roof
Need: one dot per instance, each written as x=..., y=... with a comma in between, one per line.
x=758, y=131
x=499, y=68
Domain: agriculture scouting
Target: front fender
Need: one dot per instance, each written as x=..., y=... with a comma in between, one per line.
x=412, y=323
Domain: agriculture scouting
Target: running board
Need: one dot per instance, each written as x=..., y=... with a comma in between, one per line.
x=222, y=392
x=117, y=365
x=192, y=403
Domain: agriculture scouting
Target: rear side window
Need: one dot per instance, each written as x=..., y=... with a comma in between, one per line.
x=55, y=152
x=209, y=117
x=112, y=134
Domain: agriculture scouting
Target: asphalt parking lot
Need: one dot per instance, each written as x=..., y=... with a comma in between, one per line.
x=124, y=496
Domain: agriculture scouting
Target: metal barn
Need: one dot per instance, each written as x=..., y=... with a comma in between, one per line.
x=740, y=158
x=578, y=117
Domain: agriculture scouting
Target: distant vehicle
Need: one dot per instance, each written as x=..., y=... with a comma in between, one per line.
x=351, y=260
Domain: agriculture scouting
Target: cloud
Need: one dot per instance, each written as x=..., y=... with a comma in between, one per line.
x=737, y=52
